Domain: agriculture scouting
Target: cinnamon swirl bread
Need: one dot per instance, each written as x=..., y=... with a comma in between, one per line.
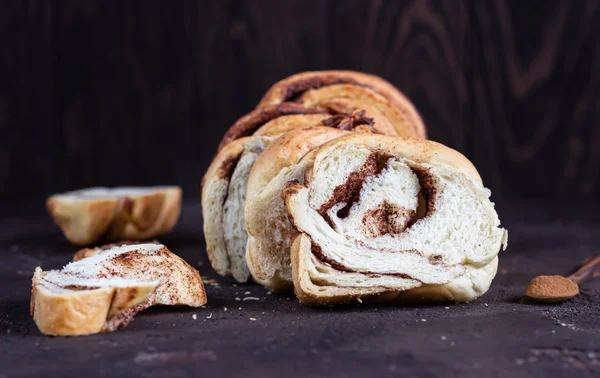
x=376, y=215
x=105, y=287
x=338, y=99
x=224, y=185
x=89, y=215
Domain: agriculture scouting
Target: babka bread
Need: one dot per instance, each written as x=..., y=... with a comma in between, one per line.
x=105, y=287
x=377, y=215
x=312, y=88
x=339, y=99
x=101, y=214
x=224, y=184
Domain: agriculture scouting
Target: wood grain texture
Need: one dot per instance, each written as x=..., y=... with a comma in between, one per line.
x=535, y=92
x=139, y=93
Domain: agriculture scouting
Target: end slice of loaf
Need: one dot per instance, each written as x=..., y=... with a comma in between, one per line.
x=105, y=287
x=128, y=213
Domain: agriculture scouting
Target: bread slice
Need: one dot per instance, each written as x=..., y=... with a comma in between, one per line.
x=89, y=215
x=267, y=223
x=103, y=288
x=223, y=198
x=403, y=217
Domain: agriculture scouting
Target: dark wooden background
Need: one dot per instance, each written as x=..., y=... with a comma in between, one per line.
x=139, y=92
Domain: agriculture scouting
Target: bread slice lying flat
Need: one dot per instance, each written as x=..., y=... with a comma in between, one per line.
x=89, y=215
x=379, y=217
x=103, y=288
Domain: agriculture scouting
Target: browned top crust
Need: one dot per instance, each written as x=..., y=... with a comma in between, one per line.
x=292, y=88
x=249, y=123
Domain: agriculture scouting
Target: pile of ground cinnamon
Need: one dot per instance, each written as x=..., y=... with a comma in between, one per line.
x=552, y=287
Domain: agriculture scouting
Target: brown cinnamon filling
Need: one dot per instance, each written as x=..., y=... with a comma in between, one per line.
x=387, y=218
x=80, y=287
x=294, y=91
x=349, y=121
x=349, y=192
x=227, y=167
x=318, y=253
x=248, y=124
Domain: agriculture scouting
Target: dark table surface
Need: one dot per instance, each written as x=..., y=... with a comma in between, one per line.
x=497, y=335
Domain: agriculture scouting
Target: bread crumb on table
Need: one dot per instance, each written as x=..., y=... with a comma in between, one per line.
x=253, y=319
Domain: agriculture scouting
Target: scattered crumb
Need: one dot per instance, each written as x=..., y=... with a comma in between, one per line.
x=209, y=316
x=485, y=304
x=202, y=306
x=224, y=308
x=553, y=331
x=423, y=320
x=519, y=361
x=194, y=316
x=237, y=299
x=359, y=300
x=247, y=293
x=452, y=343
x=240, y=308
x=253, y=319
x=234, y=285
x=269, y=292
x=262, y=313
x=251, y=299
x=447, y=308
x=443, y=337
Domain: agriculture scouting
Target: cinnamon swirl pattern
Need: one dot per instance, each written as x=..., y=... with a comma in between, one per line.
x=390, y=218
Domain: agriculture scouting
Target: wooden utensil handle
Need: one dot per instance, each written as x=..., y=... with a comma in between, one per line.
x=588, y=271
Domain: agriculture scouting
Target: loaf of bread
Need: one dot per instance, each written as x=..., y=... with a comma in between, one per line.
x=378, y=217
x=404, y=217
x=91, y=215
x=103, y=288
x=342, y=100
x=224, y=185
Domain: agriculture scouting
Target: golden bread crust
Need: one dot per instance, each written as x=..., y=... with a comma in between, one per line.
x=85, y=221
x=292, y=87
x=164, y=278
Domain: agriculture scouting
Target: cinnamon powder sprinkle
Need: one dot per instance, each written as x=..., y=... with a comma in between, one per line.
x=551, y=287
